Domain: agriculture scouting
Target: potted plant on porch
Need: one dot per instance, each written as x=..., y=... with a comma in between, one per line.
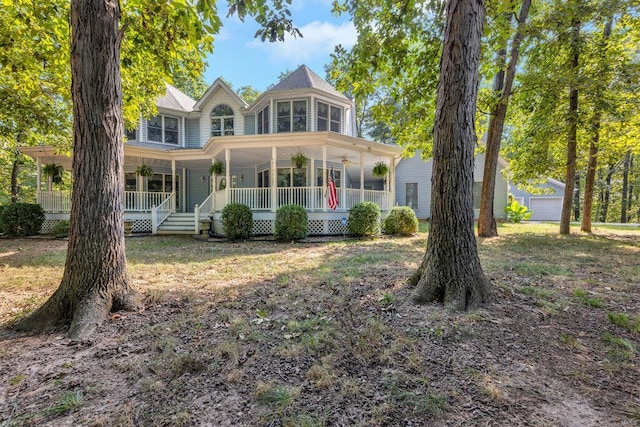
x=53, y=172
x=380, y=169
x=217, y=168
x=299, y=159
x=144, y=170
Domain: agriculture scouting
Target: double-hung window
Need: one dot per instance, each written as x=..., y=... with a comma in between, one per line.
x=412, y=195
x=163, y=129
x=263, y=120
x=329, y=118
x=222, y=120
x=292, y=116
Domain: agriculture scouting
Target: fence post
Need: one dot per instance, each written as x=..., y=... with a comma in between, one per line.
x=196, y=211
x=154, y=220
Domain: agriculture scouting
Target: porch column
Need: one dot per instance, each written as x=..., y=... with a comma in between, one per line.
x=392, y=183
x=227, y=167
x=362, y=176
x=185, y=208
x=38, y=175
x=312, y=179
x=324, y=177
x=173, y=182
x=343, y=187
x=273, y=184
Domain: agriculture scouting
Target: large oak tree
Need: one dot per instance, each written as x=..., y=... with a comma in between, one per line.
x=451, y=270
x=95, y=279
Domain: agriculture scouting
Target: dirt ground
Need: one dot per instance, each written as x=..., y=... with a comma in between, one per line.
x=326, y=334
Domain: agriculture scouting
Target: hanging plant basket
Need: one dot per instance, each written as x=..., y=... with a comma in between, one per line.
x=217, y=168
x=144, y=170
x=380, y=169
x=54, y=172
x=299, y=160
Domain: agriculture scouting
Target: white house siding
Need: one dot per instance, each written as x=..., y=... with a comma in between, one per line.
x=220, y=97
x=193, y=133
x=546, y=206
x=249, y=124
x=416, y=170
x=500, y=191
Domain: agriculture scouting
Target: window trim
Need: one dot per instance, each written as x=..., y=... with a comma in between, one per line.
x=328, y=119
x=223, y=119
x=292, y=116
x=260, y=124
x=415, y=195
x=163, y=128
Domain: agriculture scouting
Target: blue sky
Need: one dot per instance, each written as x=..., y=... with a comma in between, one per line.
x=243, y=60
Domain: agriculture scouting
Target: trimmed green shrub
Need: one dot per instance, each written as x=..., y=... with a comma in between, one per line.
x=237, y=221
x=364, y=220
x=21, y=219
x=401, y=220
x=60, y=229
x=291, y=223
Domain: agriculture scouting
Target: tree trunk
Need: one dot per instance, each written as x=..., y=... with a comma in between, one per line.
x=15, y=169
x=95, y=279
x=590, y=180
x=486, y=221
x=625, y=187
x=592, y=164
x=576, y=197
x=572, y=136
x=631, y=193
x=606, y=194
x=450, y=271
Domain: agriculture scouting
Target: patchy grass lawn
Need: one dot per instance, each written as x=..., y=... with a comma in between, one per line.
x=324, y=334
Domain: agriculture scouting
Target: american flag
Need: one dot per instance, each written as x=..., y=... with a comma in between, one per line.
x=333, y=194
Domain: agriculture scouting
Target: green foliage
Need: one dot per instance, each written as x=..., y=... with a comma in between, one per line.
x=299, y=160
x=248, y=94
x=364, y=220
x=291, y=223
x=61, y=229
x=237, y=221
x=585, y=298
x=517, y=212
x=21, y=219
x=401, y=220
x=380, y=169
x=631, y=323
x=55, y=172
x=144, y=170
x=216, y=168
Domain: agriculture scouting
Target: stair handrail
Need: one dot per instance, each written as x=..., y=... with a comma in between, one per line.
x=206, y=207
x=162, y=211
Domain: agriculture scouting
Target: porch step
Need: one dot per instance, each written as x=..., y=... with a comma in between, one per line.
x=178, y=223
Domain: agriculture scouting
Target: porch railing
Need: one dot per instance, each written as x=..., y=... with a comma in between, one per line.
x=54, y=201
x=381, y=198
x=143, y=201
x=134, y=201
x=311, y=198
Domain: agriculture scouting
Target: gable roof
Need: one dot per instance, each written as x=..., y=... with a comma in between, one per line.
x=219, y=84
x=174, y=99
x=304, y=78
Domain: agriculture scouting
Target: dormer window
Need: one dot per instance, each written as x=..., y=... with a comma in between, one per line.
x=292, y=116
x=222, y=120
x=329, y=118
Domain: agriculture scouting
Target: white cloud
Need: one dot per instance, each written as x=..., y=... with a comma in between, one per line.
x=319, y=40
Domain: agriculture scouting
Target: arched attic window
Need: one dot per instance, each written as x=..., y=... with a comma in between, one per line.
x=221, y=120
